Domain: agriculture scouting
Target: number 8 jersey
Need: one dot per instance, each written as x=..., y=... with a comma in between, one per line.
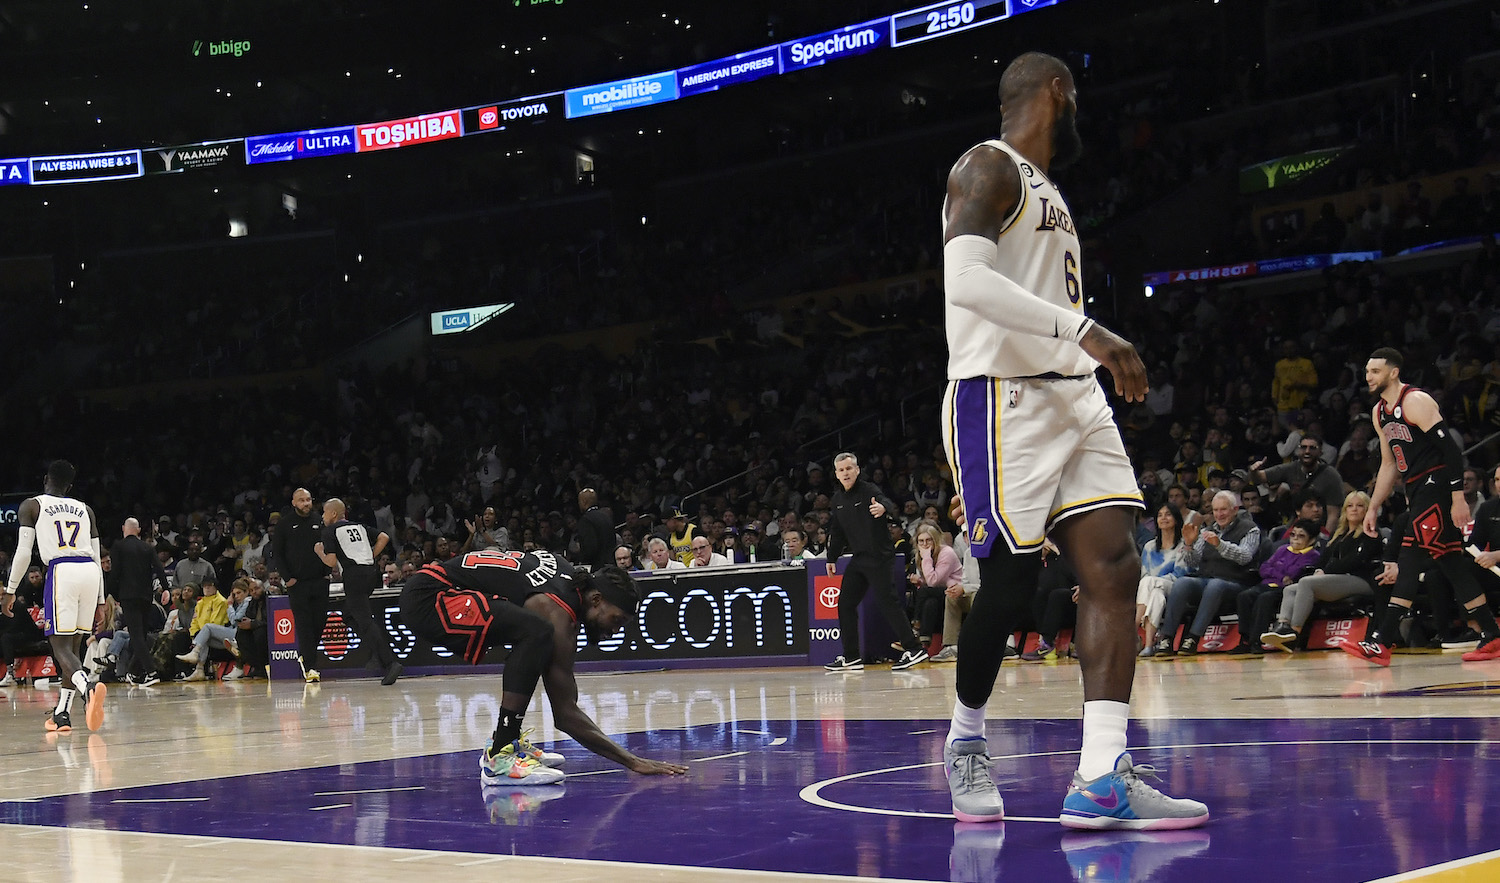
x=63, y=528
x=1039, y=251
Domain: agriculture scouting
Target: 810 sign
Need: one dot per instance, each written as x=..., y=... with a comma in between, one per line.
x=941, y=19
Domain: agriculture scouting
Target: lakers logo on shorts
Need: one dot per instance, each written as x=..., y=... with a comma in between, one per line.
x=978, y=534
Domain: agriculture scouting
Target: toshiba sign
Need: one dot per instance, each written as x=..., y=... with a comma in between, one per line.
x=413, y=130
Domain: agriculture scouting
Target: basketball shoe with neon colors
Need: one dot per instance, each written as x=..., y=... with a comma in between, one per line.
x=1121, y=800
x=510, y=766
x=527, y=749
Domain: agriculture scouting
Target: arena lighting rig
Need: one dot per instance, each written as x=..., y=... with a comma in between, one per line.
x=906, y=28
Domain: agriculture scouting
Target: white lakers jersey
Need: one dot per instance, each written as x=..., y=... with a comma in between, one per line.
x=63, y=528
x=1039, y=251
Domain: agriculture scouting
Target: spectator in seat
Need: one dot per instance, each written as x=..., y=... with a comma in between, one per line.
x=937, y=570
x=957, y=600
x=251, y=636
x=1162, y=562
x=1350, y=568
x=194, y=568
x=704, y=554
x=1286, y=565
x=660, y=556
x=1055, y=605
x=1294, y=379
x=1308, y=471
x=19, y=633
x=1218, y=559
x=796, y=545
x=624, y=558
x=210, y=624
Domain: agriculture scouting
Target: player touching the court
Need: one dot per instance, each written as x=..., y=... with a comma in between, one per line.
x=1035, y=450
x=1418, y=446
x=535, y=602
x=66, y=533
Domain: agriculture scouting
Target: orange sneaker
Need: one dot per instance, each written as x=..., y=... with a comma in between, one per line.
x=1485, y=651
x=93, y=713
x=1369, y=651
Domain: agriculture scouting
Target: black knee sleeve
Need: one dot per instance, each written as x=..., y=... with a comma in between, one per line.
x=1007, y=583
x=529, y=657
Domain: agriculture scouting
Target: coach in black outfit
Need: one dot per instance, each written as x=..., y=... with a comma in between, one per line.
x=596, y=532
x=298, y=534
x=859, y=525
x=133, y=564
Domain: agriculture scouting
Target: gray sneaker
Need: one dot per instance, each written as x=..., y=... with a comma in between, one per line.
x=947, y=654
x=966, y=763
x=1122, y=800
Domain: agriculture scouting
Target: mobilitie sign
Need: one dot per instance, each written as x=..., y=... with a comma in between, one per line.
x=1285, y=170
x=456, y=321
x=299, y=145
x=622, y=94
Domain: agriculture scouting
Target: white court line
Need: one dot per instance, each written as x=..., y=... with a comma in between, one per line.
x=416, y=858
x=753, y=732
x=594, y=773
x=1437, y=869
x=811, y=794
x=483, y=861
x=779, y=740
x=369, y=791
x=159, y=800
x=921, y=732
x=329, y=806
x=719, y=756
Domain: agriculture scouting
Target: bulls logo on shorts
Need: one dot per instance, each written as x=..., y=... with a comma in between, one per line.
x=466, y=614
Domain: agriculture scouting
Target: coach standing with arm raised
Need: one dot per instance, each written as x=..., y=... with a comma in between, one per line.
x=298, y=534
x=858, y=526
x=133, y=564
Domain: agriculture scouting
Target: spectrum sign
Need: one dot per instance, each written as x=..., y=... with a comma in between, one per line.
x=413, y=130
x=299, y=145
x=622, y=94
x=831, y=45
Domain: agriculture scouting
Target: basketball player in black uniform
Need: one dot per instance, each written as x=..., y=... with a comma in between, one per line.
x=1416, y=444
x=536, y=603
x=354, y=554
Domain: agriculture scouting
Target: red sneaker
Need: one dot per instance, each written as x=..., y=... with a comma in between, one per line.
x=1380, y=654
x=1486, y=651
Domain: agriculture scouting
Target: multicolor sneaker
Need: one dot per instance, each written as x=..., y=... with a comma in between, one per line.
x=1130, y=856
x=58, y=722
x=545, y=758
x=519, y=806
x=839, y=663
x=93, y=709
x=1488, y=650
x=1123, y=800
x=1369, y=651
x=1281, y=636
x=966, y=764
x=510, y=766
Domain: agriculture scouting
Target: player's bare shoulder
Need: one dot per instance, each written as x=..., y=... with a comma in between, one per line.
x=983, y=188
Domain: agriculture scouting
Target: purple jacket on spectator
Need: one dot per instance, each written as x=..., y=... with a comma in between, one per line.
x=1285, y=566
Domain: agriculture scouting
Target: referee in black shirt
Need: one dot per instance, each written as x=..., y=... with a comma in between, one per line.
x=306, y=576
x=133, y=564
x=859, y=525
x=347, y=544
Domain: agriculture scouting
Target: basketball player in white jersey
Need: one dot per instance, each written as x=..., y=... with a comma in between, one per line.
x=1035, y=450
x=67, y=535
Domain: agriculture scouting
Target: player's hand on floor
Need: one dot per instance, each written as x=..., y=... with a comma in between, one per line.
x=656, y=767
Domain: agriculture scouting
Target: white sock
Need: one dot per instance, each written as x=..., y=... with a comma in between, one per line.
x=967, y=722
x=65, y=700
x=1103, y=737
x=81, y=681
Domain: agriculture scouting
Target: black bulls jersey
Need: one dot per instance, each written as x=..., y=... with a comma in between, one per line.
x=1415, y=451
x=513, y=576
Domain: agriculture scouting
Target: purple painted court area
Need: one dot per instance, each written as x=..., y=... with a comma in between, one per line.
x=1334, y=800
